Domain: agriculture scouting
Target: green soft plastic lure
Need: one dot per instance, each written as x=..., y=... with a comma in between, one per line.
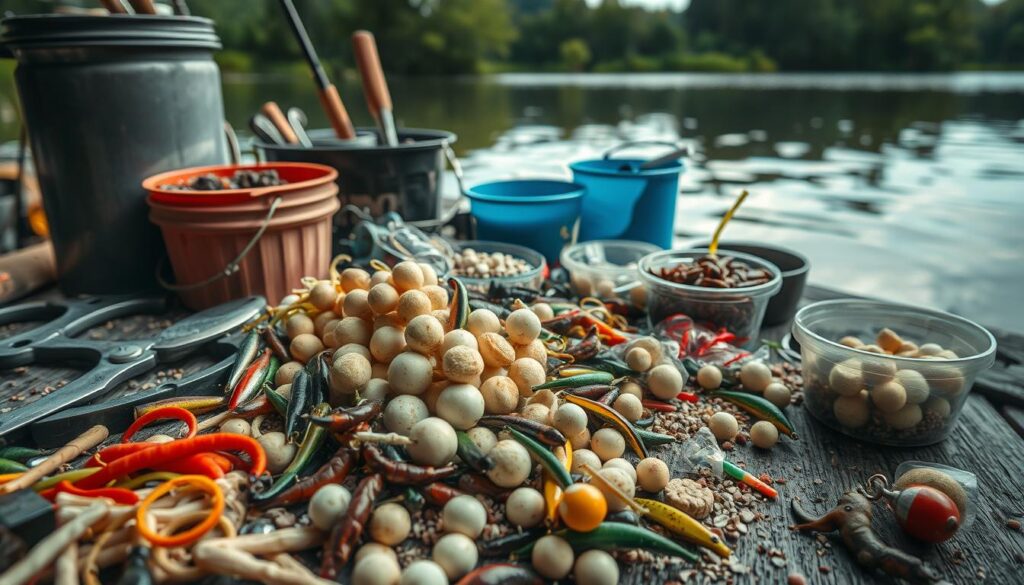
x=458, y=308
x=311, y=442
x=760, y=408
x=616, y=536
x=544, y=456
x=576, y=381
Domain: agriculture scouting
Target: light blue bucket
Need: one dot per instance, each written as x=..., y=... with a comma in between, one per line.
x=539, y=214
x=624, y=202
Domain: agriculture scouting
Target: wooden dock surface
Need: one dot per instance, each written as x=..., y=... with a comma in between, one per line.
x=817, y=469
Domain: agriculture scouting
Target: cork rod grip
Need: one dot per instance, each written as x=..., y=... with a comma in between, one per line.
x=276, y=116
x=336, y=113
x=374, y=86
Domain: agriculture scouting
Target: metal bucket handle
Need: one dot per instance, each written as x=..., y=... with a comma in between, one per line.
x=608, y=153
x=231, y=267
x=453, y=162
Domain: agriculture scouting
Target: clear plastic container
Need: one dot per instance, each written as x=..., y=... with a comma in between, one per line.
x=738, y=310
x=533, y=278
x=605, y=268
x=852, y=390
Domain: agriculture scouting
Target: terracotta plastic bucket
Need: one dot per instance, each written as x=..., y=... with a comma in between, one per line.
x=234, y=243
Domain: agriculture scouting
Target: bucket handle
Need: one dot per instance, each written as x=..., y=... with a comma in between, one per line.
x=231, y=268
x=630, y=144
x=234, y=150
x=453, y=162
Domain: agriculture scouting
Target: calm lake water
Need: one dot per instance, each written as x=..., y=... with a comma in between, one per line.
x=905, y=187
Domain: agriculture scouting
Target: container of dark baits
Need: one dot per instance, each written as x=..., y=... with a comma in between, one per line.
x=109, y=101
x=794, y=267
x=881, y=398
x=737, y=310
x=230, y=243
x=405, y=178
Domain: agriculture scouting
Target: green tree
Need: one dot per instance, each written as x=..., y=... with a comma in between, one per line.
x=575, y=54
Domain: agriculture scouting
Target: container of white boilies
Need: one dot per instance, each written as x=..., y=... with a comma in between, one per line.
x=606, y=269
x=887, y=373
x=479, y=264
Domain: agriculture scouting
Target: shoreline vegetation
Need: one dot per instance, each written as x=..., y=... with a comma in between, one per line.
x=464, y=37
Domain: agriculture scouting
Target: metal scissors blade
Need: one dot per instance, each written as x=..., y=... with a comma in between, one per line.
x=118, y=414
x=115, y=362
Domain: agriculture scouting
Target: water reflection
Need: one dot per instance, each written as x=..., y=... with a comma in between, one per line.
x=902, y=193
x=906, y=187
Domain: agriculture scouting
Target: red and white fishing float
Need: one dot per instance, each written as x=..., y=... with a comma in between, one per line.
x=922, y=511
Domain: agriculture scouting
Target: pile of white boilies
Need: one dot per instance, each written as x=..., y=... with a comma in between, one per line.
x=391, y=342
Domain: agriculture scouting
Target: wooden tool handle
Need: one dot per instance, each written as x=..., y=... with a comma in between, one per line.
x=336, y=113
x=374, y=85
x=276, y=116
x=84, y=442
x=25, y=270
x=114, y=6
x=143, y=6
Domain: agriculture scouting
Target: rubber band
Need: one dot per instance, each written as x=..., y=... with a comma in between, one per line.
x=379, y=265
x=142, y=480
x=333, y=271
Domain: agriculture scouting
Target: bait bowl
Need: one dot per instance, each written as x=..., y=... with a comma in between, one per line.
x=738, y=310
x=936, y=388
x=794, y=267
x=532, y=278
x=605, y=268
x=233, y=243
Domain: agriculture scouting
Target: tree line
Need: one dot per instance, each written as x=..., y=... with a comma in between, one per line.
x=429, y=37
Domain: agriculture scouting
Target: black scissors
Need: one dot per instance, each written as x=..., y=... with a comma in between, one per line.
x=50, y=420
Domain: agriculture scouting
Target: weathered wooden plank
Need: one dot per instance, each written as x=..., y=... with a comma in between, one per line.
x=819, y=467
x=1015, y=417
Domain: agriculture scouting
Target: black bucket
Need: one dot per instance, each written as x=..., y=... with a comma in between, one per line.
x=404, y=178
x=109, y=101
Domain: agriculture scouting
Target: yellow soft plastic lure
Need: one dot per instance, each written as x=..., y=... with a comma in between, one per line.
x=552, y=492
x=682, y=525
x=612, y=417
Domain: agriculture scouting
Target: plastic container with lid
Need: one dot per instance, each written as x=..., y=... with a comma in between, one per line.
x=605, y=268
x=530, y=279
x=737, y=310
x=882, y=398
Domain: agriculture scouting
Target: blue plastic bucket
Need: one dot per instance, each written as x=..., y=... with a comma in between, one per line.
x=625, y=203
x=538, y=214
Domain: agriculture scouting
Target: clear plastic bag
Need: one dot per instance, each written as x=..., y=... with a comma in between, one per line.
x=703, y=344
x=938, y=476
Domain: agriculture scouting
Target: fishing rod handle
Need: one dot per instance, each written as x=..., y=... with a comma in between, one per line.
x=273, y=112
x=336, y=113
x=375, y=87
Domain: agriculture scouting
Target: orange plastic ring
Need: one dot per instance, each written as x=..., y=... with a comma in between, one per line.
x=192, y=534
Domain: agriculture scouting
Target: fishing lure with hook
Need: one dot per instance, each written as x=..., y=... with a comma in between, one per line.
x=922, y=511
